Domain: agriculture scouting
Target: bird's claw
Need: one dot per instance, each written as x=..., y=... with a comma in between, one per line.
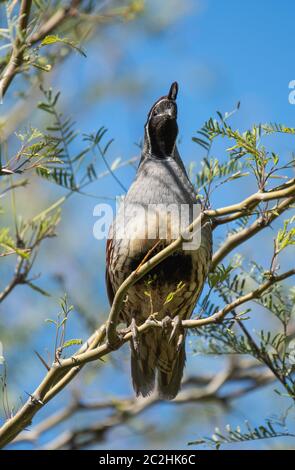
x=179, y=342
x=152, y=319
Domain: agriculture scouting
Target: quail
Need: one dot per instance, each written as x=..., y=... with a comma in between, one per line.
x=171, y=289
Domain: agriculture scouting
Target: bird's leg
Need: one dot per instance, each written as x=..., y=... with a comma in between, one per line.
x=180, y=342
x=166, y=323
x=175, y=328
x=133, y=329
x=177, y=331
x=174, y=324
x=124, y=331
x=135, y=335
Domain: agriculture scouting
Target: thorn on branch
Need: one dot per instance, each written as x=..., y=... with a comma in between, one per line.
x=42, y=360
x=34, y=400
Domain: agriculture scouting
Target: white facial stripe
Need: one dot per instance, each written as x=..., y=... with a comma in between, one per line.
x=156, y=104
x=147, y=134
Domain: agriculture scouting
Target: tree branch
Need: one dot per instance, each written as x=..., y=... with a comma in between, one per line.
x=255, y=294
x=248, y=204
x=260, y=223
x=61, y=15
x=18, y=48
x=19, y=277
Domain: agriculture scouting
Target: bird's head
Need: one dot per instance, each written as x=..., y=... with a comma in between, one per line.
x=161, y=126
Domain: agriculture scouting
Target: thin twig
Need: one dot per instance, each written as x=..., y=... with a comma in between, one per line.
x=259, y=224
x=15, y=60
x=61, y=15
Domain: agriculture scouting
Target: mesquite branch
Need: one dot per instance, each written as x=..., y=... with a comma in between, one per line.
x=260, y=223
x=22, y=41
x=62, y=14
x=15, y=60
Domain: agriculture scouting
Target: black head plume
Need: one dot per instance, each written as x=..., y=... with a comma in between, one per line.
x=161, y=126
x=172, y=95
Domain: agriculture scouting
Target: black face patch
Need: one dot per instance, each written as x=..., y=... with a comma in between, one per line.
x=163, y=134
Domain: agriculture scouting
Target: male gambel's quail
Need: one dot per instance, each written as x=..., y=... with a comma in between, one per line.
x=172, y=288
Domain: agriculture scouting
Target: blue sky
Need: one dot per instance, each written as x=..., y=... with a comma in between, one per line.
x=220, y=52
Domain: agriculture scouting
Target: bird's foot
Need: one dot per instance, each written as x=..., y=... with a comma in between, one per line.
x=114, y=339
x=174, y=327
x=167, y=324
x=124, y=331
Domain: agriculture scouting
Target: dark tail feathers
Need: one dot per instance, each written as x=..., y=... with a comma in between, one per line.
x=156, y=354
